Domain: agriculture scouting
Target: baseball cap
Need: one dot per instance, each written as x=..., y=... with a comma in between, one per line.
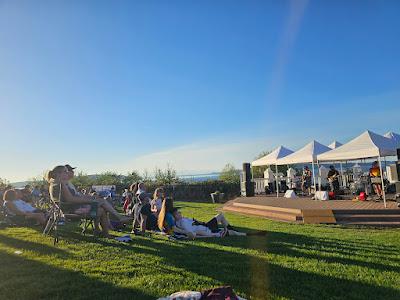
x=69, y=168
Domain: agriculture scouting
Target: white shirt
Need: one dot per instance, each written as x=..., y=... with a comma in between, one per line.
x=72, y=187
x=269, y=175
x=22, y=206
x=187, y=225
x=157, y=203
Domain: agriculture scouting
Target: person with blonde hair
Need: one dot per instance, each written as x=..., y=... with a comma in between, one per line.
x=156, y=202
x=80, y=204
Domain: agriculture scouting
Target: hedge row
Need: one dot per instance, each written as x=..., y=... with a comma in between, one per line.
x=199, y=192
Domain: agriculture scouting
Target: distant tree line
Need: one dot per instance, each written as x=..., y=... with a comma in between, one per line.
x=164, y=177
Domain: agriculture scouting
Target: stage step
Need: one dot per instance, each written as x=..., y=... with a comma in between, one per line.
x=270, y=214
x=268, y=208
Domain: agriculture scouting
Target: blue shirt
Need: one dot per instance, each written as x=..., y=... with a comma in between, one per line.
x=169, y=219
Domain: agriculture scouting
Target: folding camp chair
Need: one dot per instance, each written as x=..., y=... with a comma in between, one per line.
x=9, y=219
x=57, y=217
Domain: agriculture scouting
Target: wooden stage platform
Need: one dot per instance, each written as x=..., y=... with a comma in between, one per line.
x=305, y=210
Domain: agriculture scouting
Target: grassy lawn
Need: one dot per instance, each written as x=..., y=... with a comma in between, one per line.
x=290, y=262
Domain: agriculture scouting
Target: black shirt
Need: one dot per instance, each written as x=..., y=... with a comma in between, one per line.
x=331, y=173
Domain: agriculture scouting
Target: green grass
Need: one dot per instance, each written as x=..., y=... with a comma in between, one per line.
x=290, y=262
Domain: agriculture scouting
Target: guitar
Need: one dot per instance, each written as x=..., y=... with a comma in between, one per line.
x=333, y=178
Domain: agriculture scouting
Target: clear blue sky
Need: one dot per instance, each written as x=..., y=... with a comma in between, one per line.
x=129, y=84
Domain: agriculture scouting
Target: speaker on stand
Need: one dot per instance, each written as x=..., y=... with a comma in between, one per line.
x=246, y=184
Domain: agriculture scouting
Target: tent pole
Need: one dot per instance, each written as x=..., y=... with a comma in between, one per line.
x=341, y=173
x=383, y=183
x=313, y=174
x=276, y=178
x=319, y=177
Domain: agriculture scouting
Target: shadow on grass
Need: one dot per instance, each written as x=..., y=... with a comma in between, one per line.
x=32, y=246
x=254, y=276
x=295, y=245
x=22, y=278
x=246, y=273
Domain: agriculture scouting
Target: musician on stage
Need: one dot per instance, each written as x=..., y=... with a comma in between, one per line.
x=333, y=178
x=306, y=180
x=375, y=175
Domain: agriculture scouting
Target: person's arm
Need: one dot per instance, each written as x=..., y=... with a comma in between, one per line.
x=153, y=206
x=74, y=199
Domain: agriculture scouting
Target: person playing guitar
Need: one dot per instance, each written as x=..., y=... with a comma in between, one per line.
x=333, y=178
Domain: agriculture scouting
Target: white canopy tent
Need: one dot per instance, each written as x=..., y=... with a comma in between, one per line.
x=366, y=145
x=393, y=136
x=307, y=154
x=335, y=144
x=271, y=158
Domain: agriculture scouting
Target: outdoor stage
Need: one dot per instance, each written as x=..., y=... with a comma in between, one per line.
x=305, y=210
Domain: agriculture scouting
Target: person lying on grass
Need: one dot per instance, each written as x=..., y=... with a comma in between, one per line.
x=171, y=221
x=16, y=206
x=193, y=228
x=81, y=204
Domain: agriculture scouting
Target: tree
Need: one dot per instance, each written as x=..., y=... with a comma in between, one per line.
x=82, y=180
x=37, y=181
x=263, y=153
x=109, y=178
x=130, y=178
x=146, y=177
x=230, y=174
x=4, y=183
x=167, y=176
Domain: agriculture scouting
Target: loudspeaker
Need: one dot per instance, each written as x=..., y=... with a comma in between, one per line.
x=247, y=189
x=246, y=185
x=246, y=172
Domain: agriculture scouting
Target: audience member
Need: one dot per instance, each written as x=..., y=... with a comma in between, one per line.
x=156, y=203
x=80, y=204
x=19, y=207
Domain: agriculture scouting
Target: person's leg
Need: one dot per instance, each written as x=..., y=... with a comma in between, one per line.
x=108, y=207
x=379, y=191
x=104, y=222
x=38, y=217
x=375, y=186
x=143, y=221
x=236, y=233
x=222, y=220
x=99, y=214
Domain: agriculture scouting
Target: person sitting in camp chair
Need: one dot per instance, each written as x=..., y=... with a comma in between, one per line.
x=18, y=207
x=80, y=204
